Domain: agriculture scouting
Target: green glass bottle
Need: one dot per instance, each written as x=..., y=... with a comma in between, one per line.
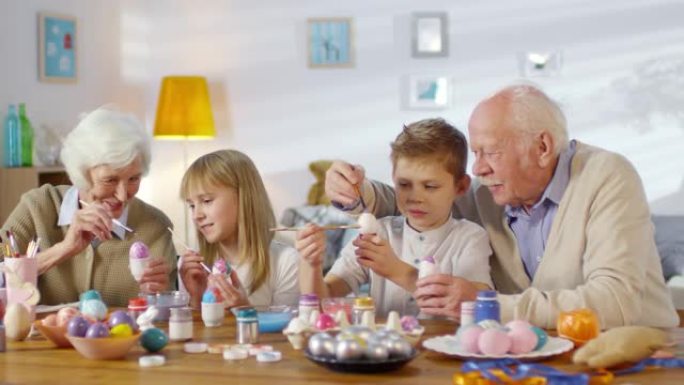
x=26, y=137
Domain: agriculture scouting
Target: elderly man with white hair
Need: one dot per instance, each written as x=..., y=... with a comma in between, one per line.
x=569, y=223
x=82, y=247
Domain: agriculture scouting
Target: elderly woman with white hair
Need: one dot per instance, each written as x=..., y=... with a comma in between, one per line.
x=82, y=246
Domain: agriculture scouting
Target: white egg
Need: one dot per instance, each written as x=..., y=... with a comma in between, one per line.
x=17, y=322
x=368, y=224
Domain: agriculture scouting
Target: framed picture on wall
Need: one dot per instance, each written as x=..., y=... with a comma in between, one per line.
x=429, y=34
x=428, y=92
x=330, y=42
x=57, y=38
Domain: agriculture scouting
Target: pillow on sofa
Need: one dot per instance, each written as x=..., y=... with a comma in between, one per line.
x=669, y=236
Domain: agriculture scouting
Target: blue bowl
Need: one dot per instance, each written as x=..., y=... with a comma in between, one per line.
x=273, y=319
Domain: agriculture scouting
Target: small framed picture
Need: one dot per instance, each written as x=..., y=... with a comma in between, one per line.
x=428, y=92
x=430, y=34
x=57, y=59
x=534, y=64
x=330, y=42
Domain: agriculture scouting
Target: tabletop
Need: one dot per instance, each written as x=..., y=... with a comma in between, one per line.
x=36, y=361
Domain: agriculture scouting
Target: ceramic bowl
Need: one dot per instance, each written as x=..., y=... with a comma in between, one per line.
x=273, y=319
x=333, y=305
x=104, y=348
x=165, y=301
x=55, y=334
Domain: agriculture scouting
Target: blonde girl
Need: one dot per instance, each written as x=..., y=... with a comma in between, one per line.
x=233, y=216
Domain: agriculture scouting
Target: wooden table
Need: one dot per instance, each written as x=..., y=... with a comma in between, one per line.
x=35, y=361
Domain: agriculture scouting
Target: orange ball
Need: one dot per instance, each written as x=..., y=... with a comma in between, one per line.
x=579, y=326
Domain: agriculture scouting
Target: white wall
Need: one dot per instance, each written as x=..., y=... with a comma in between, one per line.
x=621, y=83
x=51, y=104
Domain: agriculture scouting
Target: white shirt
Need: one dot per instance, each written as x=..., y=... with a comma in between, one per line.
x=459, y=247
x=281, y=287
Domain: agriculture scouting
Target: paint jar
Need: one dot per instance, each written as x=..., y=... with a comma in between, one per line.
x=467, y=313
x=136, y=306
x=180, y=324
x=362, y=305
x=247, y=326
x=487, y=306
x=307, y=304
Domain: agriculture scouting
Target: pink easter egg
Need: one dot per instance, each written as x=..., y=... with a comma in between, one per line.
x=494, y=342
x=468, y=338
x=523, y=340
x=65, y=314
x=325, y=321
x=138, y=250
x=50, y=320
x=518, y=323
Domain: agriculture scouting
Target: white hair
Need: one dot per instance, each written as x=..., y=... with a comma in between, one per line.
x=533, y=112
x=104, y=137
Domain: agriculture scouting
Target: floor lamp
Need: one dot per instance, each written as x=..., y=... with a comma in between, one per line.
x=184, y=113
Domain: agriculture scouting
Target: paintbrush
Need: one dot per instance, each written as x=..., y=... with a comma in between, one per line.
x=332, y=227
x=116, y=221
x=175, y=236
x=363, y=203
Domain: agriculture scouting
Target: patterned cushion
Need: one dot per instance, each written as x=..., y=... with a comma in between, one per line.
x=669, y=235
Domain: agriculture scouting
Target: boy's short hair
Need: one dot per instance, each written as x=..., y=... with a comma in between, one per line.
x=432, y=138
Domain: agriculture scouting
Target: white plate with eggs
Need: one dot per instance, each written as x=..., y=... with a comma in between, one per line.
x=449, y=345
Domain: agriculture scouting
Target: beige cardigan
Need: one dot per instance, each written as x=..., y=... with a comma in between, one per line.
x=600, y=252
x=104, y=268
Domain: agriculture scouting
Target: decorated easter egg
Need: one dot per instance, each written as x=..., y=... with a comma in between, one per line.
x=78, y=326
x=518, y=323
x=325, y=321
x=212, y=295
x=348, y=350
x=579, y=326
x=121, y=317
x=523, y=340
x=494, y=342
x=97, y=330
x=138, y=250
x=90, y=294
x=376, y=351
x=409, y=322
x=355, y=332
x=50, y=320
x=153, y=340
x=398, y=347
x=17, y=321
x=220, y=266
x=94, y=308
x=468, y=338
x=322, y=345
x=542, y=337
x=121, y=330
x=65, y=314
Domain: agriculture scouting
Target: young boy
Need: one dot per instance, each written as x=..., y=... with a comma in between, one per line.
x=429, y=159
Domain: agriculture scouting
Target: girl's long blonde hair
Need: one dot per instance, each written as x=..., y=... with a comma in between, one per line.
x=233, y=169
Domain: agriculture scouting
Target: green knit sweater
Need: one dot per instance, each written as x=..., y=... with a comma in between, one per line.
x=103, y=268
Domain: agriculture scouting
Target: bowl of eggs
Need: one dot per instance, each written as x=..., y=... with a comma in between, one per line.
x=98, y=340
x=54, y=326
x=359, y=349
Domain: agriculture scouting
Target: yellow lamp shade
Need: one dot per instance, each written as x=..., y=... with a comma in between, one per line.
x=184, y=110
